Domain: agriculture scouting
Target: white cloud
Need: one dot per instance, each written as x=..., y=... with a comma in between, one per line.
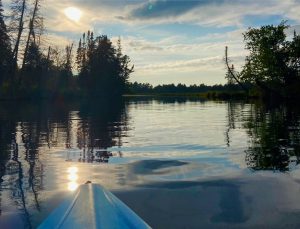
x=209, y=13
x=171, y=55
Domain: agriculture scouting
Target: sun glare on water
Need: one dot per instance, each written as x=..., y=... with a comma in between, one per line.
x=73, y=13
x=72, y=178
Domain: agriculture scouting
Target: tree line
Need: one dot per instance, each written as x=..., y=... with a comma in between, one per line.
x=30, y=69
x=273, y=63
x=146, y=88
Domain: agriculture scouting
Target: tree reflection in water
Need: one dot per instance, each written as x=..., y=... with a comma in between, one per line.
x=29, y=130
x=274, y=136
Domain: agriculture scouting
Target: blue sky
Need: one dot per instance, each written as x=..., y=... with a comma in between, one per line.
x=171, y=41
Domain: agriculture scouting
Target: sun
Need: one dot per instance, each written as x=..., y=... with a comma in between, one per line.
x=73, y=13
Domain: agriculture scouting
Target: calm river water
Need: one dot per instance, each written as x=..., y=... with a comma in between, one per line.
x=177, y=162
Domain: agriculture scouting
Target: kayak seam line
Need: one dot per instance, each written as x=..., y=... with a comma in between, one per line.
x=68, y=211
x=91, y=189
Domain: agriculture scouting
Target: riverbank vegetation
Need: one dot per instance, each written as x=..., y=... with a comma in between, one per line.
x=29, y=70
x=218, y=91
x=273, y=63
x=271, y=70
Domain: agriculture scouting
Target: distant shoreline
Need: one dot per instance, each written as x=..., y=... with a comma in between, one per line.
x=204, y=95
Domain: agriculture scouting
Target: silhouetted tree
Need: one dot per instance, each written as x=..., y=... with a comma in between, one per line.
x=18, y=8
x=273, y=62
x=124, y=67
x=232, y=75
x=5, y=48
x=66, y=69
x=103, y=69
x=268, y=59
x=35, y=67
x=35, y=23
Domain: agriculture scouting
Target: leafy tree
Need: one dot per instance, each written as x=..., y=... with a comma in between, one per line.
x=294, y=65
x=268, y=57
x=273, y=63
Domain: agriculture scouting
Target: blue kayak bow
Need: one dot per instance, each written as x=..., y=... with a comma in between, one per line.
x=93, y=207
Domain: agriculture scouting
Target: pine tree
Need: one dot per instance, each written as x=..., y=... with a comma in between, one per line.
x=5, y=48
x=103, y=69
x=79, y=56
x=124, y=67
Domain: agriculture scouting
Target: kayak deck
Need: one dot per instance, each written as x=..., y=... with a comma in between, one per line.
x=92, y=206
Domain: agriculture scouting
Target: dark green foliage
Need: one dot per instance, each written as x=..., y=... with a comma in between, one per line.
x=32, y=76
x=103, y=69
x=227, y=91
x=273, y=63
x=274, y=136
x=5, y=49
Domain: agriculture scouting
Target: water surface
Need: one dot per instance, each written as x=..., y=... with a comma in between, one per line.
x=177, y=162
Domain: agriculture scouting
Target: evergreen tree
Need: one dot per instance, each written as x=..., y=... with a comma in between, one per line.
x=66, y=71
x=34, y=64
x=5, y=48
x=103, y=69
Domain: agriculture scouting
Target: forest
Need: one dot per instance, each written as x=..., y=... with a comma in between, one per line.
x=218, y=91
x=272, y=67
x=95, y=67
x=28, y=71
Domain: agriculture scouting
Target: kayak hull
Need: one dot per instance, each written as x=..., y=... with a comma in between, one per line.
x=92, y=206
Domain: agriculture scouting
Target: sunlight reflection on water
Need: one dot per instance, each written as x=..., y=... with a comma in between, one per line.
x=200, y=160
x=72, y=177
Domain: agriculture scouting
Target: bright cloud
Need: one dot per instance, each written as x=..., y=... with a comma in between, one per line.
x=170, y=41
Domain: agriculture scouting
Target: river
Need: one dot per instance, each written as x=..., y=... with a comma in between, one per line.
x=177, y=162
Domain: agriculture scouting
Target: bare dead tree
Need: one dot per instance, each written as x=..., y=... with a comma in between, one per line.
x=56, y=56
x=232, y=73
x=68, y=62
x=35, y=22
x=17, y=24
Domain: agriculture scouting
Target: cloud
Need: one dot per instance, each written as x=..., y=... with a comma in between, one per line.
x=173, y=60
x=168, y=38
x=54, y=40
x=142, y=45
x=192, y=64
x=184, y=65
x=290, y=31
x=209, y=13
x=161, y=9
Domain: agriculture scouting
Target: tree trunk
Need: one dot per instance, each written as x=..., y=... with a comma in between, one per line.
x=231, y=73
x=31, y=31
x=20, y=30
